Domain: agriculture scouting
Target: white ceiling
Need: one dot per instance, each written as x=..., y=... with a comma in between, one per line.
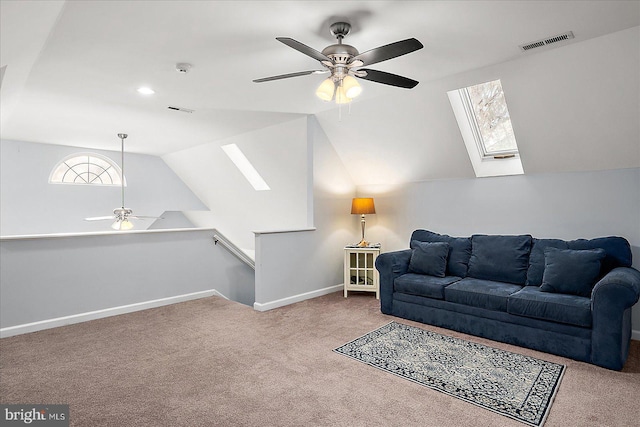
x=72, y=68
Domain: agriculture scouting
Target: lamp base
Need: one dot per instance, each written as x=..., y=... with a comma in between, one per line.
x=362, y=244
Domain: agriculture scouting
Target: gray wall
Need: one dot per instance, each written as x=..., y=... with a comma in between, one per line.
x=30, y=205
x=555, y=205
x=53, y=277
x=296, y=263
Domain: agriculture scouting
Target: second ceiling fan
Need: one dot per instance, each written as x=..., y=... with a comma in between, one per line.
x=343, y=62
x=122, y=215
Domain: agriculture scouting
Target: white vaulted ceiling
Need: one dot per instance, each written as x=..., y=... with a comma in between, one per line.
x=72, y=69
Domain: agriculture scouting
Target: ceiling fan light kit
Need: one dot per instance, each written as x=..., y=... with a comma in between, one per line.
x=121, y=225
x=121, y=216
x=342, y=62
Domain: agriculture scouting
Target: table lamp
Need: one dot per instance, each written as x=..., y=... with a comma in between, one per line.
x=362, y=206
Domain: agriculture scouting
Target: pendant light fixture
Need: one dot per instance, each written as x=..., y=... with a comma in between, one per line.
x=326, y=89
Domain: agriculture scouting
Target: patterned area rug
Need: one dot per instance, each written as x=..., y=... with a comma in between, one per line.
x=513, y=385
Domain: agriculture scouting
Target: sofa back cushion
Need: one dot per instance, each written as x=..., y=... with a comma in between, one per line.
x=618, y=251
x=536, y=259
x=500, y=258
x=459, y=250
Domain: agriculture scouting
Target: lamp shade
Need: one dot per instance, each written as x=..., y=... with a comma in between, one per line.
x=351, y=87
x=362, y=206
x=124, y=224
x=325, y=90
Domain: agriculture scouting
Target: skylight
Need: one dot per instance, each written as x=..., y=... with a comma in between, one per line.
x=485, y=124
x=491, y=119
x=245, y=166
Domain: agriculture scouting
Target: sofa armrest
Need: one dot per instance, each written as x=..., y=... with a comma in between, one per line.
x=611, y=302
x=391, y=265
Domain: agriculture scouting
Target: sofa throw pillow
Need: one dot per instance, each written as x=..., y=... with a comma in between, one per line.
x=500, y=258
x=536, y=259
x=568, y=271
x=429, y=258
x=459, y=250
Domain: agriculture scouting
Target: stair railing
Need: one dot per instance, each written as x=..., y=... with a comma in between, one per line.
x=228, y=245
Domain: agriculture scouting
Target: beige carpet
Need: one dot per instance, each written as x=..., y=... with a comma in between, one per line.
x=212, y=362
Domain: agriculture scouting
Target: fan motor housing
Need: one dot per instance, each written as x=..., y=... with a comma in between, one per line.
x=122, y=212
x=340, y=53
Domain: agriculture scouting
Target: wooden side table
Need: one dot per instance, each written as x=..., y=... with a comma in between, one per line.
x=360, y=273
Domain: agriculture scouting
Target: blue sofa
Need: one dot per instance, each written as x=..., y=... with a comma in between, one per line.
x=570, y=298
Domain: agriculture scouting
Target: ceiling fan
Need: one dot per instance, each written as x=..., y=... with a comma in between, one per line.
x=121, y=215
x=343, y=62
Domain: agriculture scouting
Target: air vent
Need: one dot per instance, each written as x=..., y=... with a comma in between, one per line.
x=549, y=40
x=184, y=110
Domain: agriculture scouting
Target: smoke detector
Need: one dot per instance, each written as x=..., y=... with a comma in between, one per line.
x=183, y=67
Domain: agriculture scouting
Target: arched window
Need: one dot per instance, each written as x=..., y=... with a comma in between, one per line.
x=86, y=168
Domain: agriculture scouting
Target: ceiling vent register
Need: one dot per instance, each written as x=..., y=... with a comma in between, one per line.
x=547, y=41
x=184, y=110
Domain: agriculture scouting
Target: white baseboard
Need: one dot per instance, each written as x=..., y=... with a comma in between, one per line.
x=635, y=335
x=295, y=298
x=99, y=314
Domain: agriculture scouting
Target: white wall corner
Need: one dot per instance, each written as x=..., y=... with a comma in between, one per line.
x=635, y=335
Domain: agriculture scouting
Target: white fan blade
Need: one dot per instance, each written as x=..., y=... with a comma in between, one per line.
x=144, y=217
x=99, y=218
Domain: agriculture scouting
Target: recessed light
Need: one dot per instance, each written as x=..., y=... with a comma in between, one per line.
x=146, y=91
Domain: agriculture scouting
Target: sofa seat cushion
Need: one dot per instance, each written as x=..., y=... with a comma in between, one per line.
x=500, y=258
x=531, y=301
x=423, y=285
x=480, y=293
